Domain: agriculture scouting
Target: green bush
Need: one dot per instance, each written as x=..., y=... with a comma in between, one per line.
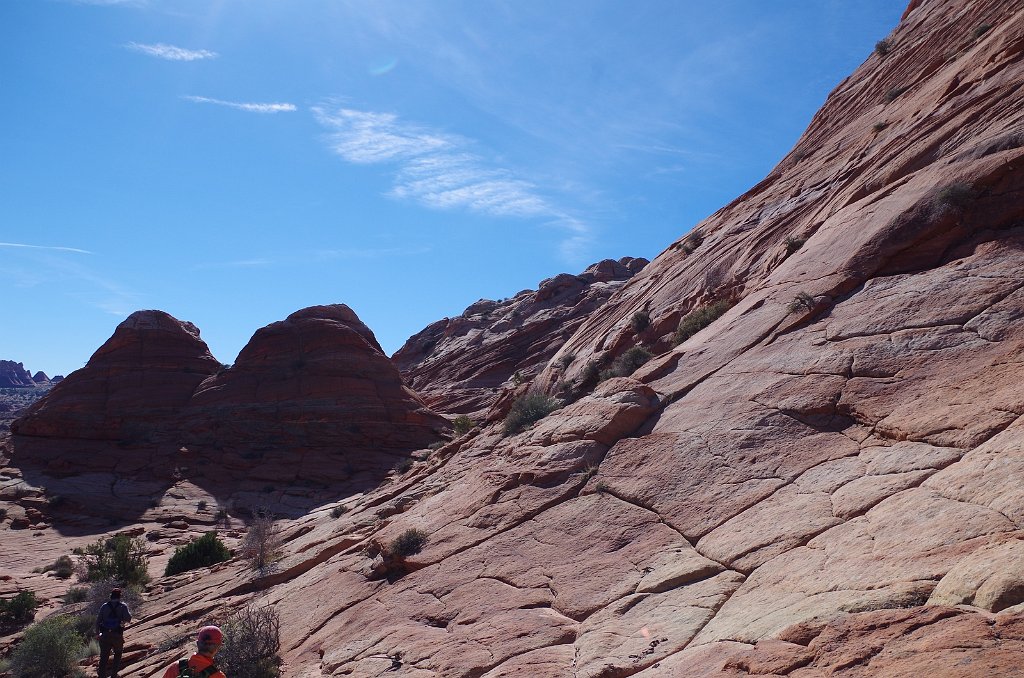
x=627, y=363
x=802, y=302
x=981, y=30
x=462, y=424
x=120, y=557
x=20, y=609
x=793, y=243
x=697, y=319
x=566, y=360
x=640, y=321
x=50, y=649
x=527, y=409
x=338, y=511
x=408, y=543
x=894, y=93
x=202, y=552
x=252, y=641
x=883, y=47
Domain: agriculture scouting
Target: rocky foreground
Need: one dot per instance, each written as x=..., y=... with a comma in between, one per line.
x=826, y=480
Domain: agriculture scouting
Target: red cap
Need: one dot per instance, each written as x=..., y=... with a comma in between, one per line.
x=210, y=635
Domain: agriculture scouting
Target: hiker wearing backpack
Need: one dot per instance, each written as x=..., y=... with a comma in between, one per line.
x=200, y=665
x=111, y=621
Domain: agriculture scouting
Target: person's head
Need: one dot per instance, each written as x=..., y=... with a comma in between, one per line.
x=115, y=593
x=209, y=640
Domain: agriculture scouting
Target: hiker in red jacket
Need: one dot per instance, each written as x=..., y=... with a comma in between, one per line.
x=200, y=665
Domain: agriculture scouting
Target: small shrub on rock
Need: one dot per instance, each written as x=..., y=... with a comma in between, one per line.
x=252, y=641
x=121, y=557
x=883, y=47
x=793, y=243
x=338, y=511
x=462, y=424
x=981, y=30
x=627, y=363
x=64, y=567
x=408, y=543
x=75, y=594
x=527, y=409
x=50, y=649
x=697, y=319
x=956, y=196
x=260, y=546
x=640, y=321
x=18, y=610
x=801, y=302
x=202, y=552
x=894, y=93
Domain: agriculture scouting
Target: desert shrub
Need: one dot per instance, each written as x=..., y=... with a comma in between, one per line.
x=793, y=243
x=462, y=424
x=955, y=196
x=20, y=609
x=627, y=363
x=3, y=513
x=63, y=567
x=202, y=552
x=566, y=360
x=201, y=505
x=75, y=594
x=801, y=302
x=699, y=318
x=528, y=408
x=119, y=557
x=50, y=649
x=260, y=545
x=981, y=30
x=640, y=321
x=408, y=543
x=883, y=47
x=879, y=126
x=894, y=93
x=404, y=465
x=252, y=641
x=338, y=511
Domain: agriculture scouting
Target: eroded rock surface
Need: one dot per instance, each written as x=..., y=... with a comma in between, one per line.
x=826, y=481
x=460, y=365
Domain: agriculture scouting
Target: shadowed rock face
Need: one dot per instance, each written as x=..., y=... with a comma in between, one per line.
x=800, y=489
x=133, y=387
x=310, y=398
x=14, y=375
x=461, y=365
x=317, y=387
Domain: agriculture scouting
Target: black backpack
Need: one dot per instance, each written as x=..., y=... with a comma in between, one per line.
x=185, y=671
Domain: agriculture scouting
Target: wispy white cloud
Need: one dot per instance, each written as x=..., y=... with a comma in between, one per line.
x=434, y=168
x=250, y=107
x=171, y=52
x=45, y=247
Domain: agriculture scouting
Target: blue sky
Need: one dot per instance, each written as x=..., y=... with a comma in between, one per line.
x=232, y=161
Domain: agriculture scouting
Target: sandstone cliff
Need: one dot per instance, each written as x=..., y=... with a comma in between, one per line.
x=825, y=481
x=460, y=365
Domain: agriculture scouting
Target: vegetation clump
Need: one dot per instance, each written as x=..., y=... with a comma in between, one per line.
x=120, y=557
x=462, y=424
x=691, y=242
x=338, y=511
x=18, y=610
x=883, y=47
x=50, y=649
x=697, y=319
x=640, y=321
x=261, y=542
x=202, y=552
x=981, y=30
x=408, y=543
x=627, y=363
x=793, y=244
x=879, y=126
x=566, y=360
x=252, y=643
x=527, y=409
x=802, y=302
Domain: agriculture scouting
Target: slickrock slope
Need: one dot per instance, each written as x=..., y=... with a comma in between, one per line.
x=313, y=397
x=826, y=481
x=459, y=365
